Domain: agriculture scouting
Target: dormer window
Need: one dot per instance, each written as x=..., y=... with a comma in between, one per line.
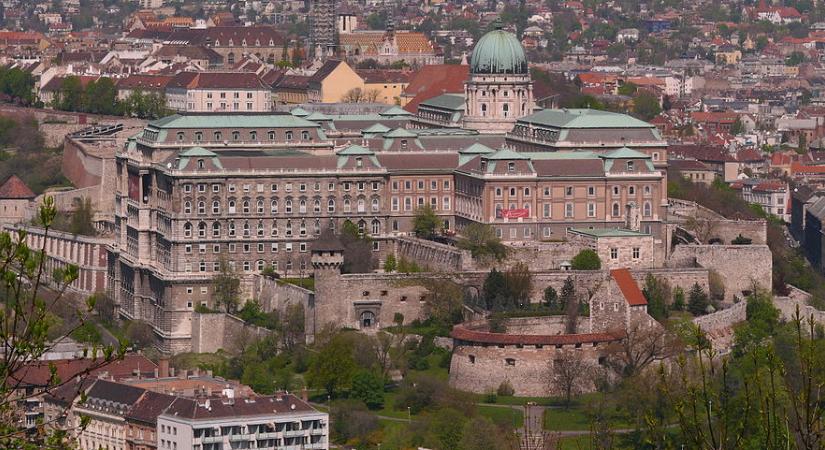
x=271, y=135
x=200, y=164
x=181, y=136
x=511, y=167
x=236, y=135
x=630, y=166
x=198, y=136
x=359, y=163
x=231, y=43
x=217, y=43
x=257, y=43
x=288, y=135
x=218, y=136
x=243, y=42
x=271, y=43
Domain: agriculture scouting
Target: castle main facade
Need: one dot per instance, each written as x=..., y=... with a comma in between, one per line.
x=256, y=190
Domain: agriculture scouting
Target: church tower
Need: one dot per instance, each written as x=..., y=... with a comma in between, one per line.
x=499, y=89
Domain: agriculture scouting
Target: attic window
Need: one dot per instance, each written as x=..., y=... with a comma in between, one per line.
x=257, y=43
x=181, y=136
x=217, y=43
x=511, y=167
x=231, y=43
x=271, y=42
x=198, y=136
x=200, y=164
x=243, y=42
x=218, y=136
x=359, y=162
x=630, y=166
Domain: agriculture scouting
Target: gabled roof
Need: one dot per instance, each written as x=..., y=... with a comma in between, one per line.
x=318, y=116
x=353, y=150
x=583, y=118
x=377, y=128
x=506, y=154
x=625, y=152
x=477, y=148
x=197, y=151
x=15, y=188
x=627, y=285
x=394, y=111
x=400, y=133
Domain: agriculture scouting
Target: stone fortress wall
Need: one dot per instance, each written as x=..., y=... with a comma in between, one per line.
x=723, y=229
x=219, y=331
x=740, y=266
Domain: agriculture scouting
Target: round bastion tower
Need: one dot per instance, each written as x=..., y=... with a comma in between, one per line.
x=499, y=89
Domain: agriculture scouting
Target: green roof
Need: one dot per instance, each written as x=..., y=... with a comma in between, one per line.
x=197, y=151
x=625, y=152
x=498, y=52
x=583, y=118
x=395, y=111
x=354, y=150
x=298, y=111
x=272, y=120
x=400, y=133
x=506, y=153
x=377, y=128
x=477, y=148
x=446, y=101
x=561, y=155
x=608, y=232
x=317, y=116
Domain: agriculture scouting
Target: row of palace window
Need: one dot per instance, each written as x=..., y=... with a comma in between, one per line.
x=421, y=202
x=274, y=247
x=569, y=191
x=570, y=210
x=260, y=231
x=246, y=265
x=420, y=185
x=289, y=206
x=188, y=188
x=236, y=135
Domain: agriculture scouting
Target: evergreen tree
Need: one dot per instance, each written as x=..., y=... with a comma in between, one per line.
x=368, y=387
x=568, y=293
x=390, y=263
x=494, y=290
x=679, y=299
x=656, y=292
x=551, y=298
x=698, y=300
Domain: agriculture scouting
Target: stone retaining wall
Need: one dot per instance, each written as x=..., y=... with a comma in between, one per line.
x=740, y=266
x=219, y=331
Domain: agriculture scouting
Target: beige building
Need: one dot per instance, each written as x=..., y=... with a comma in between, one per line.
x=617, y=247
x=16, y=201
x=218, y=92
x=333, y=82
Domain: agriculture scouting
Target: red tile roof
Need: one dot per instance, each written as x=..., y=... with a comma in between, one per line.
x=630, y=290
x=15, y=188
x=38, y=373
x=434, y=80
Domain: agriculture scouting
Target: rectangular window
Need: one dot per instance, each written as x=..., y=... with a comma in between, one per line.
x=591, y=210
x=568, y=210
x=395, y=203
x=547, y=209
x=446, y=185
x=445, y=203
x=591, y=191
x=614, y=253
x=635, y=252
x=568, y=191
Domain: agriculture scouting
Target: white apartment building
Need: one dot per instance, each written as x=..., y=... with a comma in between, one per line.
x=218, y=92
x=281, y=421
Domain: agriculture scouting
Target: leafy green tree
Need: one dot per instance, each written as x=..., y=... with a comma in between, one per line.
x=81, y=219
x=646, y=106
x=368, y=387
x=737, y=127
x=795, y=59
x=494, y=291
x=551, y=298
x=570, y=305
x=70, y=95
x=698, y=300
x=352, y=422
x=627, y=89
x=100, y=97
x=481, y=240
x=447, y=427
x=678, y=299
x=18, y=85
x=586, y=259
x=657, y=292
x=226, y=287
x=390, y=263
x=585, y=101
x=333, y=366
x=426, y=223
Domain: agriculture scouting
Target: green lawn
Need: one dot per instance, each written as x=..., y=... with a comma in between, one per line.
x=561, y=419
x=190, y=361
x=503, y=415
x=575, y=443
x=306, y=283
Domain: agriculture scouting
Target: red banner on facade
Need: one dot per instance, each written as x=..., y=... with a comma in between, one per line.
x=517, y=213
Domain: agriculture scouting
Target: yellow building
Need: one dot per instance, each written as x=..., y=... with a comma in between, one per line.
x=335, y=82
x=728, y=56
x=385, y=86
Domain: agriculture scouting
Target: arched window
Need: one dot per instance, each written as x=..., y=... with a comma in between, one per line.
x=181, y=136
x=216, y=229
x=202, y=229
x=375, y=204
x=362, y=226
x=288, y=135
x=260, y=265
x=331, y=205
x=273, y=206
x=347, y=205
x=201, y=207
x=246, y=229
x=647, y=210
x=376, y=226
x=187, y=207
x=305, y=135
x=236, y=135
x=253, y=136
x=362, y=205
x=218, y=136
x=246, y=206
x=216, y=207
x=317, y=226
x=288, y=228
x=231, y=206
x=302, y=206
x=615, y=210
x=484, y=109
x=231, y=229
x=230, y=58
x=260, y=228
x=259, y=205
x=274, y=230
x=187, y=229
x=506, y=110
x=288, y=206
x=316, y=206
x=198, y=136
x=302, y=229
x=271, y=135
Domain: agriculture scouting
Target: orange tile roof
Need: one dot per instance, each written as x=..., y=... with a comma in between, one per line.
x=630, y=290
x=15, y=188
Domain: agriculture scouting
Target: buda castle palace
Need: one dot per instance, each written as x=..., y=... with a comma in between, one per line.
x=256, y=190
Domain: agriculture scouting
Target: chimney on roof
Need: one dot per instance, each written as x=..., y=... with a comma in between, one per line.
x=163, y=368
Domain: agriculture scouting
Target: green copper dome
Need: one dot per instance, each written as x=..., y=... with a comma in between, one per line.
x=498, y=52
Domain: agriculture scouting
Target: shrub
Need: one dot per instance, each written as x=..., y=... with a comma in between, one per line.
x=505, y=389
x=390, y=263
x=741, y=240
x=587, y=259
x=490, y=396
